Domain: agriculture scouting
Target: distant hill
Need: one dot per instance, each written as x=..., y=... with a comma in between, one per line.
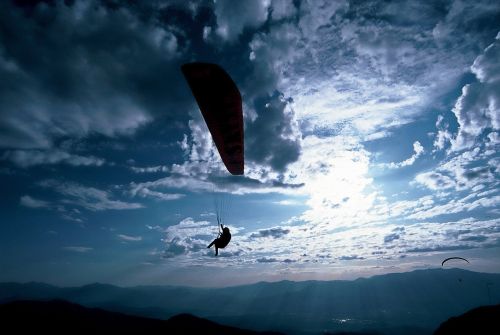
x=484, y=320
x=57, y=316
x=410, y=303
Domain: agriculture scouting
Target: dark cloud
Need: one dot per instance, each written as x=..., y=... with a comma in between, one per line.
x=441, y=248
x=174, y=248
x=83, y=68
x=391, y=237
x=479, y=172
x=272, y=138
x=234, y=16
x=75, y=70
x=275, y=232
x=266, y=260
x=435, y=180
x=474, y=238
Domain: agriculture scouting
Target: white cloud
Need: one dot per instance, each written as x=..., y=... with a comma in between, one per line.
x=189, y=237
x=435, y=181
x=478, y=108
x=419, y=150
x=288, y=202
x=234, y=16
x=150, y=169
x=129, y=238
x=144, y=192
x=89, y=198
x=459, y=170
x=282, y=9
x=334, y=171
x=78, y=249
x=28, y=158
x=31, y=202
x=456, y=206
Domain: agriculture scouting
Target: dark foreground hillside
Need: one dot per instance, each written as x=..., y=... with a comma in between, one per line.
x=484, y=320
x=57, y=316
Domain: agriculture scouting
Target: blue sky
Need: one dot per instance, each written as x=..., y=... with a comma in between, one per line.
x=371, y=140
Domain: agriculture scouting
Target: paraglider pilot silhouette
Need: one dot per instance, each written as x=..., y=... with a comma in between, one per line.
x=220, y=104
x=221, y=241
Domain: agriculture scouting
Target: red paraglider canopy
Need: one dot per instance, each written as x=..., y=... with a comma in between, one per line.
x=220, y=103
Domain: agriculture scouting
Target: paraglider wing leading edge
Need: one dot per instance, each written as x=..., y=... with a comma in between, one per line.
x=450, y=258
x=219, y=100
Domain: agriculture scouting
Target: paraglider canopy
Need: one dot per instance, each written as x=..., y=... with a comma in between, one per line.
x=220, y=103
x=450, y=258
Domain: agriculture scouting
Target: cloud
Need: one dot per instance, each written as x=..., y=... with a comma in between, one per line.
x=474, y=238
x=460, y=170
x=419, y=150
x=129, y=238
x=233, y=17
x=267, y=260
x=478, y=108
x=275, y=126
x=89, y=198
x=275, y=260
x=350, y=258
x=391, y=237
x=189, y=238
x=281, y=9
x=440, y=248
x=173, y=248
x=150, y=169
x=288, y=202
x=435, y=181
x=144, y=192
x=341, y=163
x=276, y=232
x=78, y=249
x=31, y=202
x=456, y=206
x=78, y=85
x=28, y=158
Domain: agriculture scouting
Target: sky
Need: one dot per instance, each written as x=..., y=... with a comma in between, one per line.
x=371, y=140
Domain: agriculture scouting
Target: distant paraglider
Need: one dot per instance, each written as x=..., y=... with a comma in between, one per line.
x=220, y=103
x=450, y=258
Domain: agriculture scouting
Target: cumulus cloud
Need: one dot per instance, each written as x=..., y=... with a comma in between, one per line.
x=435, y=181
x=31, y=202
x=188, y=238
x=478, y=108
